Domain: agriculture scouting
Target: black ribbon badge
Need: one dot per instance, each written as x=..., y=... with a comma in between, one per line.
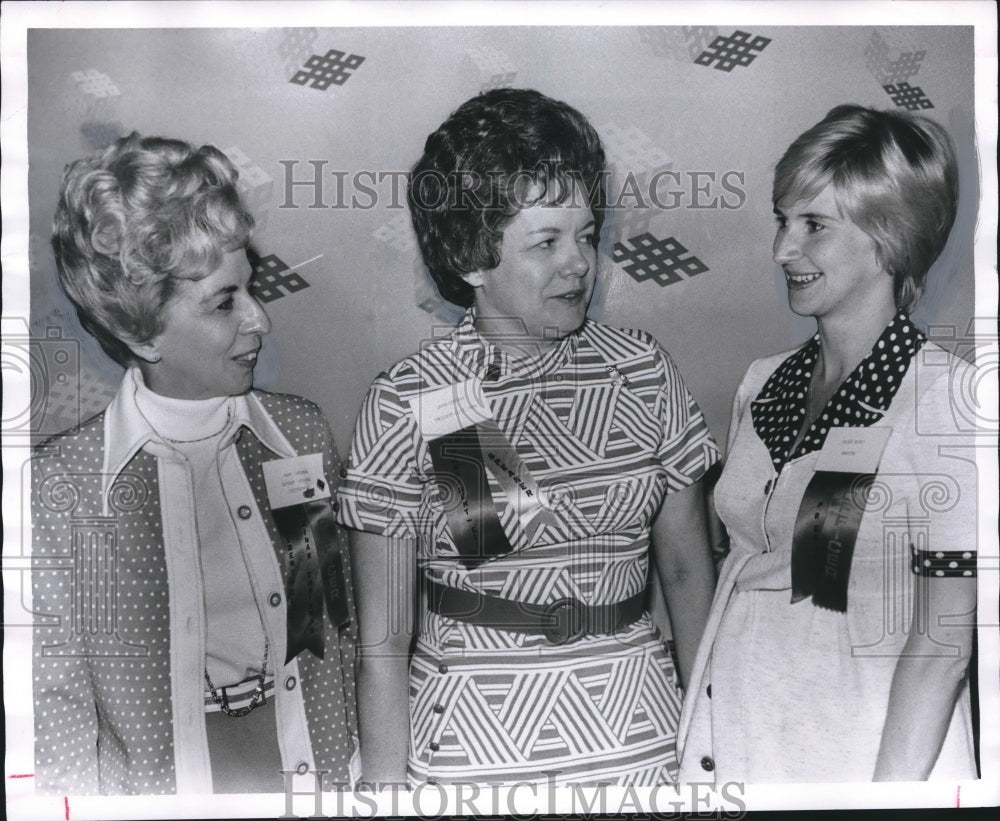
x=466, y=447
x=300, y=503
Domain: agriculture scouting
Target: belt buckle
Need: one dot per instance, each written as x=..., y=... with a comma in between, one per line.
x=567, y=620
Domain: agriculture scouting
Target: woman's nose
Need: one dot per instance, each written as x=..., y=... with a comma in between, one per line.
x=256, y=320
x=786, y=248
x=578, y=261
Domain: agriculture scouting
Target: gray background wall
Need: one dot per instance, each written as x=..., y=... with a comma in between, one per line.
x=367, y=301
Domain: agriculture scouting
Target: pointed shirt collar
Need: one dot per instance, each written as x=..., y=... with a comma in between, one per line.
x=126, y=430
x=861, y=400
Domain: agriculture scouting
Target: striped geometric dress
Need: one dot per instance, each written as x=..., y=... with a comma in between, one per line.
x=605, y=426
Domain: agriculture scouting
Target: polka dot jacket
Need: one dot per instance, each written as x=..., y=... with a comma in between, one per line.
x=107, y=660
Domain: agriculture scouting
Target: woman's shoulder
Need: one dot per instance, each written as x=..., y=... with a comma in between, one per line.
x=283, y=407
x=70, y=444
x=621, y=343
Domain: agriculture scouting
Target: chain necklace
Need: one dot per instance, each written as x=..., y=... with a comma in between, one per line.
x=258, y=694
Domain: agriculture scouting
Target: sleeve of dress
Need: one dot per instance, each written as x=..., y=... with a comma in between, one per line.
x=64, y=703
x=381, y=492
x=687, y=448
x=942, y=498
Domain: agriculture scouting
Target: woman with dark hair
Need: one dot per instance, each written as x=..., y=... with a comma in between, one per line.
x=826, y=658
x=525, y=467
x=194, y=603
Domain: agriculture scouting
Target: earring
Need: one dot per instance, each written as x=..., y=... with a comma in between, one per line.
x=155, y=357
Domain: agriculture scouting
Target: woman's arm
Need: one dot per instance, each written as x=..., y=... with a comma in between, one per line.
x=385, y=595
x=684, y=565
x=928, y=678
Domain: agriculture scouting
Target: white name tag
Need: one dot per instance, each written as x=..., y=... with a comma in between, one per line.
x=295, y=480
x=853, y=450
x=445, y=410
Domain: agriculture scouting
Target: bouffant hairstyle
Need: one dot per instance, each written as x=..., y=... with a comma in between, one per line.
x=502, y=151
x=132, y=222
x=895, y=176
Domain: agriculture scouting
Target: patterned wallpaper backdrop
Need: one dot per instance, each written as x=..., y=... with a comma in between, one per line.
x=323, y=123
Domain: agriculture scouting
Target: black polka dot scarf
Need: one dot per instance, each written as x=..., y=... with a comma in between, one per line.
x=861, y=400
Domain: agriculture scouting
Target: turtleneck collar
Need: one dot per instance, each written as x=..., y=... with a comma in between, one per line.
x=127, y=431
x=183, y=420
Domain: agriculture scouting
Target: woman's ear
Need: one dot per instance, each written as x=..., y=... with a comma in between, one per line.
x=473, y=278
x=148, y=352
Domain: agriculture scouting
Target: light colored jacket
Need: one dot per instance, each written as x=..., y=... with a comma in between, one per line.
x=119, y=642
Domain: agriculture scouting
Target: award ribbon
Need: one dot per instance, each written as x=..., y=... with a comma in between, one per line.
x=826, y=529
x=315, y=574
x=461, y=461
x=472, y=518
x=299, y=498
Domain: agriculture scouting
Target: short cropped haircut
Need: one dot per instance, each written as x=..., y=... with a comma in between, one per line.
x=895, y=176
x=497, y=153
x=134, y=220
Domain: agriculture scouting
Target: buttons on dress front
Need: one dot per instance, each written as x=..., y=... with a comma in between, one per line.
x=707, y=764
x=290, y=683
x=708, y=691
x=302, y=768
x=442, y=668
x=274, y=599
x=244, y=512
x=438, y=708
x=434, y=746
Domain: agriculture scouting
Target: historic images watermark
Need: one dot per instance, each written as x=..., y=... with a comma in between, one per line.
x=52, y=365
x=550, y=796
x=313, y=184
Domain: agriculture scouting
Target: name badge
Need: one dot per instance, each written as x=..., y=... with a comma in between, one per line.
x=853, y=450
x=295, y=480
x=452, y=408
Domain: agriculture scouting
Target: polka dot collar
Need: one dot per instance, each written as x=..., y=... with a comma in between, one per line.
x=861, y=399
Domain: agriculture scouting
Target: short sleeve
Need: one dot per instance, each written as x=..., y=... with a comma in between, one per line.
x=687, y=449
x=381, y=490
x=943, y=483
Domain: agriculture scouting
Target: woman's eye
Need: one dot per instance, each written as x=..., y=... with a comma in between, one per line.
x=226, y=306
x=546, y=243
x=781, y=222
x=587, y=239
x=812, y=226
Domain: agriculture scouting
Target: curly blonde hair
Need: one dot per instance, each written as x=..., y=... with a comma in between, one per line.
x=134, y=220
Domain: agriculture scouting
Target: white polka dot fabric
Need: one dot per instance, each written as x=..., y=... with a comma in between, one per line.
x=102, y=683
x=780, y=408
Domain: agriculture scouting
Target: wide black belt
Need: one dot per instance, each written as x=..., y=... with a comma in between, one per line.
x=561, y=621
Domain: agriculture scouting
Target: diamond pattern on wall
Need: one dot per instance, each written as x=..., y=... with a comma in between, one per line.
x=681, y=43
x=661, y=260
x=911, y=98
x=496, y=69
x=255, y=185
x=95, y=83
x=725, y=53
x=269, y=281
x=398, y=232
x=100, y=135
x=332, y=68
x=892, y=60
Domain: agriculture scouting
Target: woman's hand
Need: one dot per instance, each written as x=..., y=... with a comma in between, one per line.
x=385, y=587
x=684, y=565
x=928, y=678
